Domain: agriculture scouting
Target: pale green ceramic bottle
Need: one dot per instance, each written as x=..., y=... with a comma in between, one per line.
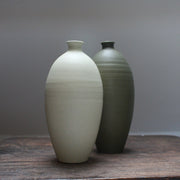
x=118, y=99
x=73, y=103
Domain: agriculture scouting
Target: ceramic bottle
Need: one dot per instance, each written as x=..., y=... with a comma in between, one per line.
x=73, y=102
x=118, y=99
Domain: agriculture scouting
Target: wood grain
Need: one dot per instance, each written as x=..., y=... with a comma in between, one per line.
x=145, y=157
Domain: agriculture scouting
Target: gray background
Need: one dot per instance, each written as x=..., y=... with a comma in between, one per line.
x=33, y=35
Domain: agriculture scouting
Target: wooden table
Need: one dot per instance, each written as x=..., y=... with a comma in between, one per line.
x=145, y=157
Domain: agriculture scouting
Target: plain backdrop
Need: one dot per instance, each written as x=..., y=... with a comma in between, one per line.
x=33, y=33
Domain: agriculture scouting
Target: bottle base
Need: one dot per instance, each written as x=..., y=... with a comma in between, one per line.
x=70, y=161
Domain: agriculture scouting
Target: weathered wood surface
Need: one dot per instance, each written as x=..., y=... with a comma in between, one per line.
x=145, y=157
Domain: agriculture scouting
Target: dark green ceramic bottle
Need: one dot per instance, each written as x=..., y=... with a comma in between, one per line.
x=118, y=99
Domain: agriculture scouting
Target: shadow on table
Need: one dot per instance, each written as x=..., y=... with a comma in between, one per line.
x=95, y=159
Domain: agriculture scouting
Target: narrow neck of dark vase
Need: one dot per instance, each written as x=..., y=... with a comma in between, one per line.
x=107, y=44
x=75, y=45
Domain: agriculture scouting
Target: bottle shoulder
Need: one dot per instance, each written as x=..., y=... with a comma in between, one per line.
x=74, y=57
x=77, y=63
x=109, y=55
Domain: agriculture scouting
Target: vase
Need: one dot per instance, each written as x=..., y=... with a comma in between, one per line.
x=118, y=99
x=73, y=103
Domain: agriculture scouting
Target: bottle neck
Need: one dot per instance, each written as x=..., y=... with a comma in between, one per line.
x=75, y=45
x=107, y=44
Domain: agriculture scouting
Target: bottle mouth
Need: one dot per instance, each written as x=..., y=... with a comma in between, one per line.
x=75, y=41
x=74, y=44
x=107, y=44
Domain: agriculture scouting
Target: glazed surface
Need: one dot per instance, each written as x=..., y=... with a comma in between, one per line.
x=73, y=105
x=118, y=100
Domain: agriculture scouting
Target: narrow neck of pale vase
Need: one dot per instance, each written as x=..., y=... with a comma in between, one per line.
x=107, y=44
x=75, y=45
